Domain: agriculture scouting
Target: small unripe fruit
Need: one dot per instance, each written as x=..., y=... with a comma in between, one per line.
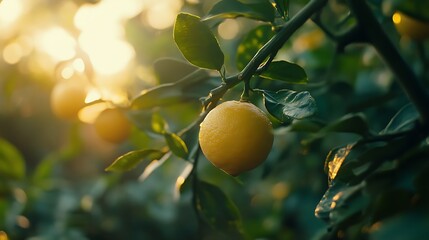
x=67, y=98
x=112, y=125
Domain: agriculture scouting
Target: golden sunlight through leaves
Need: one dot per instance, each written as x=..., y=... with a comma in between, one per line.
x=336, y=160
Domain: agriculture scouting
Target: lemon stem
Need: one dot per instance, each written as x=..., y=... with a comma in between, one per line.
x=245, y=95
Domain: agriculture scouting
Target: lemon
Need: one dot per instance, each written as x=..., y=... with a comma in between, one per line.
x=236, y=136
x=112, y=125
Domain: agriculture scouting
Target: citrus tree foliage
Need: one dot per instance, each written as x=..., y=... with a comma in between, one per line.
x=347, y=97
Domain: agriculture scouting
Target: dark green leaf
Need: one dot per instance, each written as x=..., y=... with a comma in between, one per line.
x=170, y=70
x=170, y=93
x=354, y=162
x=324, y=207
x=286, y=71
x=282, y=7
x=404, y=120
x=260, y=10
x=130, y=160
x=197, y=43
x=287, y=104
x=251, y=43
x=341, y=202
x=306, y=125
x=408, y=225
x=176, y=145
x=350, y=123
x=385, y=207
x=12, y=163
x=218, y=210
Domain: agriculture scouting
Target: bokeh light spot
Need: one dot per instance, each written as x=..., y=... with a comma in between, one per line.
x=12, y=53
x=228, y=29
x=57, y=43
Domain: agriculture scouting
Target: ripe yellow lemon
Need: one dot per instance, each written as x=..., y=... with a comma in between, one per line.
x=67, y=98
x=112, y=125
x=411, y=27
x=236, y=136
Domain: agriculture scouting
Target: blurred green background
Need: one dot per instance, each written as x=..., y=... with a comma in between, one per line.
x=52, y=179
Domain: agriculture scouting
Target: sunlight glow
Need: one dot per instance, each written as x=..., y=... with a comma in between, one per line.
x=10, y=11
x=181, y=180
x=57, y=43
x=67, y=72
x=92, y=95
x=90, y=19
x=162, y=14
x=89, y=113
x=336, y=160
x=108, y=55
x=123, y=9
x=102, y=33
x=79, y=65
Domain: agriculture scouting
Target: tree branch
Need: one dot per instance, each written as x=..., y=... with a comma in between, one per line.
x=281, y=37
x=405, y=75
x=272, y=46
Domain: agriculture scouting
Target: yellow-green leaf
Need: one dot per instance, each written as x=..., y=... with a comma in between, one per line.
x=176, y=145
x=197, y=43
x=130, y=160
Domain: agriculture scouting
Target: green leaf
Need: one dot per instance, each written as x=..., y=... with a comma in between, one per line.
x=350, y=123
x=176, y=145
x=131, y=159
x=251, y=43
x=218, y=211
x=354, y=162
x=286, y=105
x=197, y=43
x=159, y=125
x=324, y=207
x=335, y=160
x=285, y=71
x=341, y=202
x=282, y=7
x=405, y=119
x=259, y=10
x=306, y=125
x=171, y=93
x=170, y=70
x=12, y=163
